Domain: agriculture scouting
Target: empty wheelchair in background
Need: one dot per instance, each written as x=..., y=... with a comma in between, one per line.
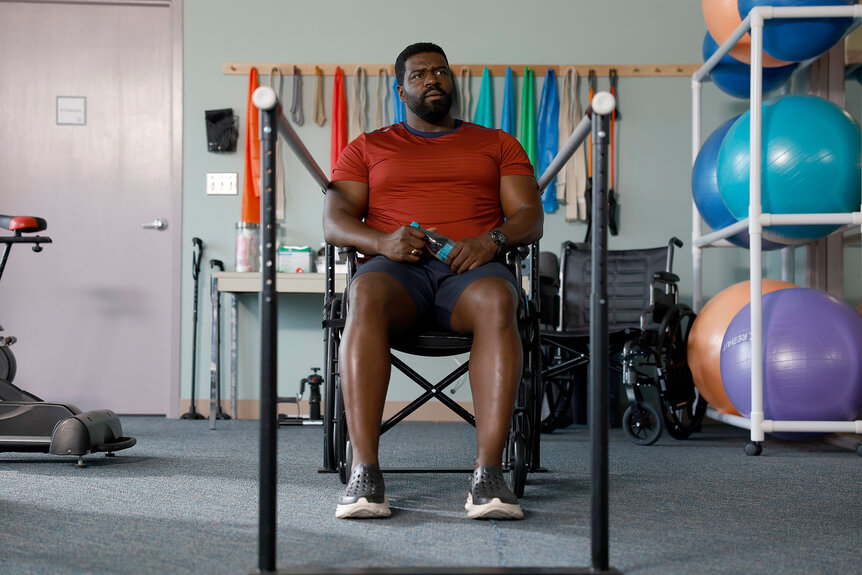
x=648, y=337
x=522, y=448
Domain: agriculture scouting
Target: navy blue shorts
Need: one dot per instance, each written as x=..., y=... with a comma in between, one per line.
x=434, y=287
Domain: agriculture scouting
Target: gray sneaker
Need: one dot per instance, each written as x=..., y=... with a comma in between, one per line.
x=490, y=497
x=364, y=497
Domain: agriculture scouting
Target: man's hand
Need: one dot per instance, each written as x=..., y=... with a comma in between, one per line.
x=471, y=253
x=403, y=245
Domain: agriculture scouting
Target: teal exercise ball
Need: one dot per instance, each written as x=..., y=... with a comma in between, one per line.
x=704, y=189
x=810, y=164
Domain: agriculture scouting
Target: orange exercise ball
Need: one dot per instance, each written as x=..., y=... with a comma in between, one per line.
x=722, y=18
x=707, y=335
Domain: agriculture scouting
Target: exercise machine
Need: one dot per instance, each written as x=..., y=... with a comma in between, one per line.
x=29, y=424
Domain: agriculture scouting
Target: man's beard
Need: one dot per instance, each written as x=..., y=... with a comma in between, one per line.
x=433, y=111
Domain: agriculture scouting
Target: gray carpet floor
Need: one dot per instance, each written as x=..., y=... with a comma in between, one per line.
x=184, y=500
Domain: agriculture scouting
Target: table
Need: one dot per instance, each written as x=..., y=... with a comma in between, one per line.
x=236, y=283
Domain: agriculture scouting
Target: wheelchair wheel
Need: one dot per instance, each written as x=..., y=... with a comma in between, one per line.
x=331, y=382
x=517, y=479
x=642, y=425
x=343, y=450
x=683, y=408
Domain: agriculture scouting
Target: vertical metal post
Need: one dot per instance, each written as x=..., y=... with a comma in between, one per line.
x=268, y=346
x=215, y=358
x=234, y=335
x=599, y=346
x=696, y=227
x=755, y=227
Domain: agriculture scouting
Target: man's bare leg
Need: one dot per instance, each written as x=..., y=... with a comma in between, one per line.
x=379, y=306
x=488, y=309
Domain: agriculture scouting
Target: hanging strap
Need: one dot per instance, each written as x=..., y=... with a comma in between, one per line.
x=465, y=99
x=296, y=102
x=380, y=118
x=528, y=117
x=251, y=177
x=279, y=162
x=612, y=200
x=549, y=136
x=588, y=193
x=566, y=105
x=397, y=104
x=572, y=180
x=358, y=103
x=507, y=120
x=339, y=117
x=319, y=109
x=485, y=107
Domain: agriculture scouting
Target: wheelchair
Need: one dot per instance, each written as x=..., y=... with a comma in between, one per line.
x=521, y=454
x=648, y=339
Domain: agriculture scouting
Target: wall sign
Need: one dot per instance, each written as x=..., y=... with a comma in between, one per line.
x=71, y=110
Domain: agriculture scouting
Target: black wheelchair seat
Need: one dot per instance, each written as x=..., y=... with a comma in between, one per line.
x=522, y=449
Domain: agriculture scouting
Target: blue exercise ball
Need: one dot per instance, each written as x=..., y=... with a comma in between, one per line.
x=704, y=189
x=734, y=77
x=811, y=164
x=797, y=39
x=812, y=368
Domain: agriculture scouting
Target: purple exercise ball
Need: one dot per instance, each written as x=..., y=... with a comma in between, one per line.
x=812, y=358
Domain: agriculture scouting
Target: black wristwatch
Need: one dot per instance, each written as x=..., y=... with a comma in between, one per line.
x=500, y=239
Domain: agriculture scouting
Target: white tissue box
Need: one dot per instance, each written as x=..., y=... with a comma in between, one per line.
x=294, y=259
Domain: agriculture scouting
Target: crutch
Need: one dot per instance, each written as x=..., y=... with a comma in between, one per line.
x=197, y=253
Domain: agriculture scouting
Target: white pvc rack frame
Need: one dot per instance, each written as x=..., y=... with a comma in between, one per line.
x=756, y=221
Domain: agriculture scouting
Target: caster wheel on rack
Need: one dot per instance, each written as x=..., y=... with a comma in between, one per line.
x=859, y=449
x=753, y=448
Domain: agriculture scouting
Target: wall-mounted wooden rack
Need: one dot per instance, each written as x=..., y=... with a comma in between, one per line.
x=645, y=70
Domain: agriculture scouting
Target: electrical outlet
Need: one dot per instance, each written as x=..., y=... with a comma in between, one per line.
x=222, y=184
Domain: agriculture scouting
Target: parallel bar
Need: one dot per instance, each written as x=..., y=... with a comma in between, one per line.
x=579, y=134
x=272, y=122
x=265, y=99
x=268, y=348
x=447, y=571
x=599, y=341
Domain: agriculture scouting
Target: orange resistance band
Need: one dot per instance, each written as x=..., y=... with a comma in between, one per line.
x=251, y=181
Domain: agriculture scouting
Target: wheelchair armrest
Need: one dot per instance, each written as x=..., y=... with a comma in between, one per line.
x=666, y=277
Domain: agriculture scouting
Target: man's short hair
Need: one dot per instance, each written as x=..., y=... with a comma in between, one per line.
x=412, y=50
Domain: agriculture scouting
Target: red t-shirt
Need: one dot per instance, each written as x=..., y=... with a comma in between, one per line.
x=450, y=181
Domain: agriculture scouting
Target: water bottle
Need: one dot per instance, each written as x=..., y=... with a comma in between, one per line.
x=438, y=244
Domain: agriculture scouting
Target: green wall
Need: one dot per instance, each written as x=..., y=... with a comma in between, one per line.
x=653, y=163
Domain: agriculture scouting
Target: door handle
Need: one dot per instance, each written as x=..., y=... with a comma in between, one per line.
x=155, y=225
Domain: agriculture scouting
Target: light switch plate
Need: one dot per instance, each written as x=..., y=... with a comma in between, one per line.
x=222, y=184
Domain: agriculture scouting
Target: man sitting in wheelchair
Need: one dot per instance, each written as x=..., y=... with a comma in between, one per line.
x=477, y=187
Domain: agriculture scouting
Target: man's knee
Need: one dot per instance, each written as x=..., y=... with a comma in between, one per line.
x=381, y=299
x=491, y=302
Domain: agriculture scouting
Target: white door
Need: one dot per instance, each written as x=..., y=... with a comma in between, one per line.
x=93, y=311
